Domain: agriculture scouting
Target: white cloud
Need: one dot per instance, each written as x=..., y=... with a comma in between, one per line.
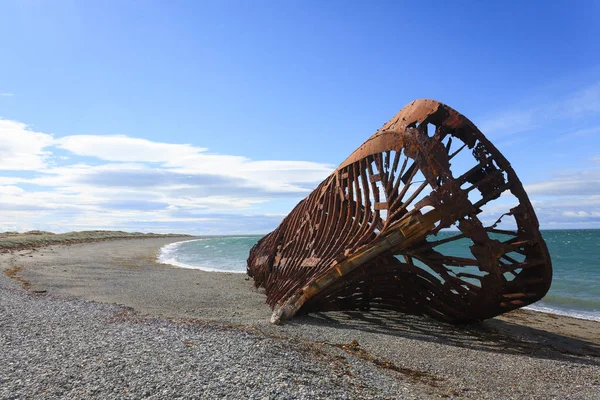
x=133, y=182
x=6, y=180
x=579, y=134
x=575, y=105
x=581, y=103
x=22, y=148
x=10, y=190
x=571, y=183
x=125, y=149
x=184, y=159
x=570, y=199
x=581, y=214
x=509, y=122
x=569, y=212
x=138, y=184
x=6, y=94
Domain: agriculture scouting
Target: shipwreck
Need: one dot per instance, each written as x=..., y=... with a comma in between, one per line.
x=426, y=217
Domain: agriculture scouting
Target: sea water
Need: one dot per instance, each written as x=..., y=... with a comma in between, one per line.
x=575, y=257
x=216, y=253
x=575, y=289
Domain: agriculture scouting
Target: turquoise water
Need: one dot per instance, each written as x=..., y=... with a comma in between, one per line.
x=575, y=286
x=218, y=253
x=575, y=255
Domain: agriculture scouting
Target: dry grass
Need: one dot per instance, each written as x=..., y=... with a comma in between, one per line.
x=13, y=241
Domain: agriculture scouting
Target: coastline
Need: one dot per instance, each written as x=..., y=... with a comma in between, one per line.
x=565, y=313
x=165, y=256
x=530, y=348
x=11, y=242
x=167, y=253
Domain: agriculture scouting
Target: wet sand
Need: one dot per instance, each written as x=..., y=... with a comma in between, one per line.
x=520, y=354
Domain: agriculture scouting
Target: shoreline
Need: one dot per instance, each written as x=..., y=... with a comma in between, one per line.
x=39, y=281
x=575, y=314
x=11, y=242
x=536, y=355
x=165, y=258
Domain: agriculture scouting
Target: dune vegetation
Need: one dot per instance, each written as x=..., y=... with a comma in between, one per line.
x=12, y=241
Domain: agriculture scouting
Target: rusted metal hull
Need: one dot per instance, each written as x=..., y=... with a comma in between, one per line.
x=369, y=235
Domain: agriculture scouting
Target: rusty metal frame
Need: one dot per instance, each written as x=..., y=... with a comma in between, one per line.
x=369, y=235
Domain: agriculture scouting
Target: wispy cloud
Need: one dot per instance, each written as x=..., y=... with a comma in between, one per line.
x=568, y=183
x=6, y=94
x=120, y=181
x=122, y=148
x=580, y=134
x=568, y=212
x=131, y=183
x=569, y=199
x=510, y=122
x=22, y=148
x=581, y=103
x=575, y=105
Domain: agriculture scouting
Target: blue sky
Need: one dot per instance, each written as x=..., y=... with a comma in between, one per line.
x=218, y=117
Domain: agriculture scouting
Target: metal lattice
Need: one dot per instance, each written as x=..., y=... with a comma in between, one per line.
x=369, y=234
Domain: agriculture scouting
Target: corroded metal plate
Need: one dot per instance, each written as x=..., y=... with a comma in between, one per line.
x=482, y=256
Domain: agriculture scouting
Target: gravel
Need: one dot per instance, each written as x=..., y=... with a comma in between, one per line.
x=190, y=334
x=69, y=348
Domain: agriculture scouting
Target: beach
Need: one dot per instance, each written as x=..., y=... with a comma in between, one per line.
x=169, y=331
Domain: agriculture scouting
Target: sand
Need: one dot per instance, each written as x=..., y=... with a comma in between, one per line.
x=520, y=354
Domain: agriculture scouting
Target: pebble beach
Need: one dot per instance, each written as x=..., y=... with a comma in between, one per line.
x=105, y=320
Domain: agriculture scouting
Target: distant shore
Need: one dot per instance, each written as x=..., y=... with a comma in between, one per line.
x=15, y=241
x=530, y=349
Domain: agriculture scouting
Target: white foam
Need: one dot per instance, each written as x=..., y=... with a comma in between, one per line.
x=166, y=255
x=591, y=316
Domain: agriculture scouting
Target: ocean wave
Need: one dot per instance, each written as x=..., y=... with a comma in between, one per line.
x=580, y=314
x=578, y=301
x=167, y=255
x=575, y=291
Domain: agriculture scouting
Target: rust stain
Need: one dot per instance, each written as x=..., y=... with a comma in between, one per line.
x=369, y=235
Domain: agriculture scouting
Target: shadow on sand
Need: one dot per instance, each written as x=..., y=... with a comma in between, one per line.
x=496, y=336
